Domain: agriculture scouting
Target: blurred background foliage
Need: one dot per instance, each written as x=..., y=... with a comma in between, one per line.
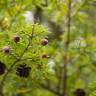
x=81, y=54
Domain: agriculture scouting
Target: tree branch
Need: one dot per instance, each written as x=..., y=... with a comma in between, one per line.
x=14, y=63
x=66, y=50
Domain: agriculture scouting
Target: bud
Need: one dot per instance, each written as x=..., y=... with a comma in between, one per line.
x=23, y=70
x=45, y=56
x=2, y=68
x=6, y=49
x=16, y=38
x=79, y=92
x=44, y=42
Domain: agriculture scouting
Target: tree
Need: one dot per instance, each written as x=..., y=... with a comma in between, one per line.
x=71, y=47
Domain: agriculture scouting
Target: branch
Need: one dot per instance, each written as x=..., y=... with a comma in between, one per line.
x=66, y=49
x=14, y=63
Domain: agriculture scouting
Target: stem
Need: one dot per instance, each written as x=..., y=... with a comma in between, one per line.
x=14, y=63
x=66, y=50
